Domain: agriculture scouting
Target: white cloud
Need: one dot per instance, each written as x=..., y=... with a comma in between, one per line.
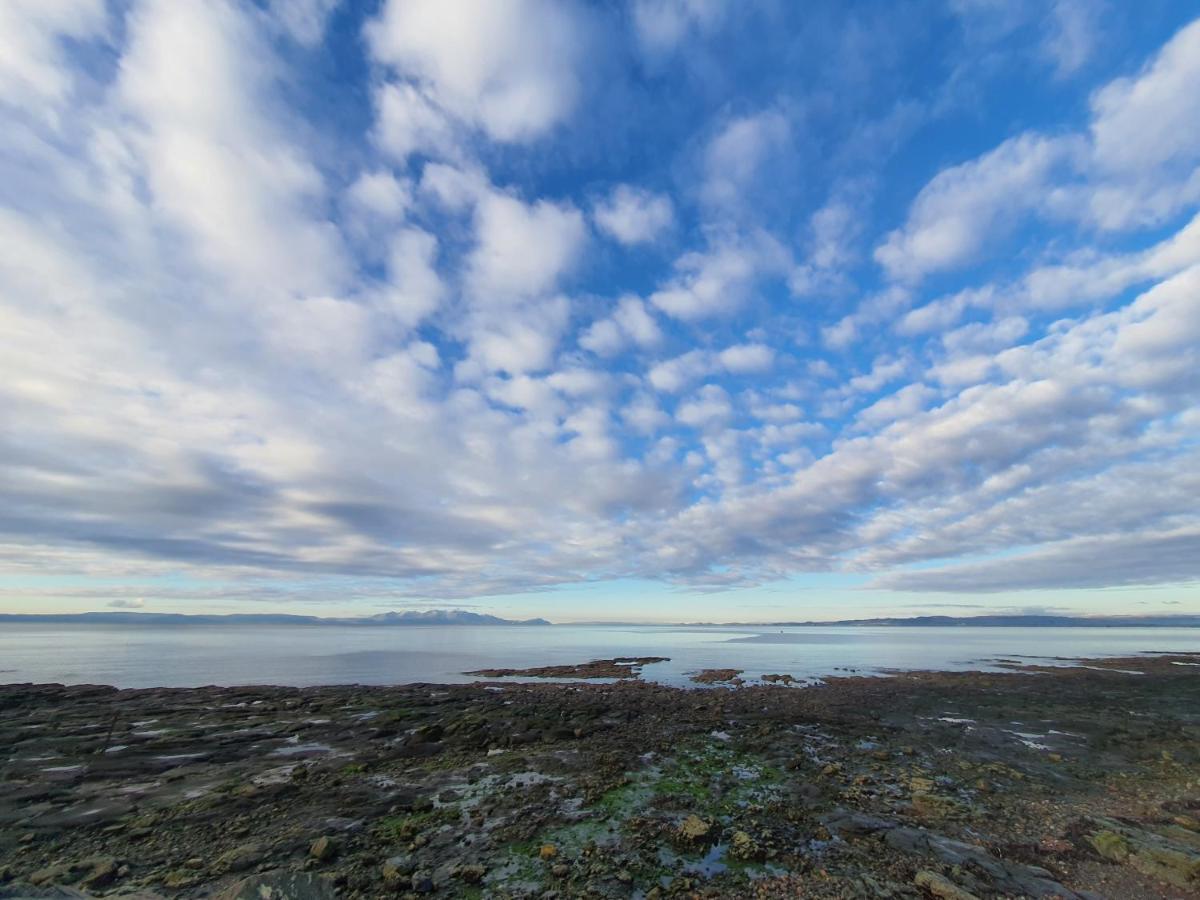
x=738, y=154
x=414, y=289
x=517, y=341
x=629, y=323
x=127, y=603
x=304, y=20
x=1144, y=131
x=745, y=358
x=507, y=66
x=1073, y=35
x=523, y=249
x=634, y=216
x=380, y=194
x=196, y=78
x=715, y=282
x=709, y=408
x=34, y=67
x=672, y=375
x=965, y=206
x=661, y=25
x=407, y=122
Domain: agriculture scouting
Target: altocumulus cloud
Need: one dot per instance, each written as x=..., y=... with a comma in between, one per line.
x=457, y=300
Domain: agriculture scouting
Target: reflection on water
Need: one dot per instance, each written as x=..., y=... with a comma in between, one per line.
x=149, y=656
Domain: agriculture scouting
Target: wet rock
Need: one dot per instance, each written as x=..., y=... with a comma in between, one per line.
x=941, y=887
x=422, y=883
x=1154, y=854
x=1001, y=875
x=716, y=676
x=936, y=806
x=102, y=871
x=241, y=858
x=280, y=886
x=844, y=822
x=323, y=849
x=694, y=830
x=56, y=872
x=620, y=667
x=398, y=868
x=743, y=846
x=472, y=873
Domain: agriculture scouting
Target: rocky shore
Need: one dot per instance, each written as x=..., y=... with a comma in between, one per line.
x=1070, y=782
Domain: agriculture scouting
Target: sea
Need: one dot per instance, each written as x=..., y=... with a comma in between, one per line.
x=192, y=655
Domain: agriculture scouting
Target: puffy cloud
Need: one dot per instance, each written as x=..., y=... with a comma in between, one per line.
x=632, y=215
x=967, y=205
x=672, y=375
x=506, y=66
x=716, y=281
x=414, y=289
x=523, y=249
x=709, y=408
x=742, y=358
x=629, y=323
x=380, y=194
x=408, y=122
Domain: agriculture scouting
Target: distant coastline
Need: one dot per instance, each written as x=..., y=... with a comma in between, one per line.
x=459, y=617
x=389, y=619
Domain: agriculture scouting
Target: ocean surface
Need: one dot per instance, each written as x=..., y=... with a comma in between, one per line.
x=174, y=656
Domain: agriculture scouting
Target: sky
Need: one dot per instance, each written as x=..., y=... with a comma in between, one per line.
x=651, y=310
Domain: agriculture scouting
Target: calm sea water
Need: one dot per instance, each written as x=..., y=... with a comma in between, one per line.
x=153, y=656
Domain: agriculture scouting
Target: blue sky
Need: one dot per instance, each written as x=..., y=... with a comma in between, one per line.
x=667, y=309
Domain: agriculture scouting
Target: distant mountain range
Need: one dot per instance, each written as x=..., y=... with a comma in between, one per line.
x=429, y=617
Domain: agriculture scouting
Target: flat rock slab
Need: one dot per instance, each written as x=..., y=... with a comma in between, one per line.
x=280, y=886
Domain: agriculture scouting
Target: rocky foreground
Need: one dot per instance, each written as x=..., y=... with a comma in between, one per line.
x=1075, y=782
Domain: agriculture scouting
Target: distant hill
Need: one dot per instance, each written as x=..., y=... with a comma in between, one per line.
x=1175, y=621
x=411, y=617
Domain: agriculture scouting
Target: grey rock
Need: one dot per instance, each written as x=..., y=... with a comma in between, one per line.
x=280, y=886
x=999, y=875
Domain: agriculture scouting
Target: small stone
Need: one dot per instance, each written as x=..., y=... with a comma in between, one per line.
x=560, y=870
x=941, y=887
x=239, y=859
x=422, y=883
x=742, y=846
x=180, y=878
x=102, y=872
x=323, y=849
x=398, y=868
x=472, y=874
x=693, y=828
x=56, y=872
